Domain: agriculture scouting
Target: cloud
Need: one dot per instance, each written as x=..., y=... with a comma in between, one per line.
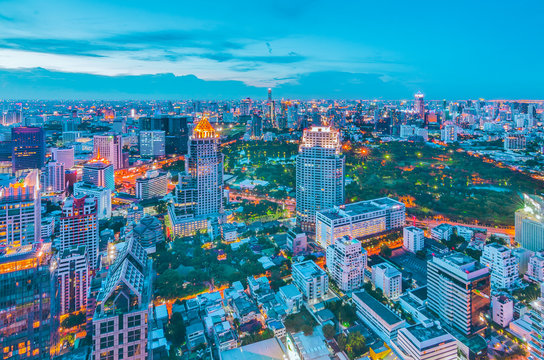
x=59, y=46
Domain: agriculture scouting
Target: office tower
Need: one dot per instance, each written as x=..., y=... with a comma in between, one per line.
x=152, y=143
x=26, y=303
x=28, y=148
x=70, y=136
x=297, y=241
x=502, y=264
x=359, y=220
x=387, y=278
x=73, y=279
x=458, y=291
x=256, y=127
x=149, y=233
x=515, y=142
x=536, y=339
x=502, y=306
x=448, y=134
x=64, y=155
x=535, y=267
x=420, y=342
x=319, y=174
x=119, y=125
x=346, y=262
x=271, y=110
x=245, y=107
x=20, y=209
x=99, y=171
x=153, y=185
x=530, y=223
x=123, y=306
x=175, y=129
x=101, y=194
x=79, y=227
x=111, y=148
x=413, y=239
x=204, y=162
x=311, y=280
x=419, y=105
x=52, y=177
x=135, y=213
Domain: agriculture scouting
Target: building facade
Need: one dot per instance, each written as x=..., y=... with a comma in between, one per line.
x=152, y=143
x=52, y=177
x=529, y=223
x=101, y=194
x=388, y=279
x=413, y=239
x=28, y=148
x=73, y=280
x=346, y=262
x=311, y=280
x=502, y=264
x=418, y=342
x=110, y=147
x=153, y=185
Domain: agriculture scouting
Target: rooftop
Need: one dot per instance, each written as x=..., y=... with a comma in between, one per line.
x=308, y=269
x=270, y=349
x=383, y=312
x=362, y=207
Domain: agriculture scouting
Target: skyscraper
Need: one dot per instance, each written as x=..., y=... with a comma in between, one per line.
x=73, y=279
x=26, y=303
x=99, y=171
x=458, y=291
x=64, y=155
x=20, y=209
x=28, y=148
x=152, y=143
x=204, y=163
x=256, y=127
x=111, y=148
x=419, y=105
x=79, y=227
x=319, y=174
x=530, y=223
x=175, y=129
x=52, y=177
x=346, y=262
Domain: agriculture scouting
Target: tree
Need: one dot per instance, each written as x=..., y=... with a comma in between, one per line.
x=161, y=207
x=385, y=251
x=175, y=330
x=356, y=345
x=307, y=329
x=73, y=320
x=328, y=331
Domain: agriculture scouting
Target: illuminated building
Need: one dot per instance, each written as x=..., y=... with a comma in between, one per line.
x=64, y=155
x=153, y=185
x=99, y=171
x=110, y=147
x=448, y=133
x=204, y=162
x=311, y=280
x=149, y=233
x=123, y=305
x=515, y=142
x=536, y=340
x=297, y=240
x=52, y=177
x=502, y=264
x=20, y=209
x=319, y=174
x=135, y=213
x=502, y=306
x=359, y=220
x=26, y=303
x=420, y=342
x=529, y=222
x=413, y=239
x=101, y=194
x=387, y=278
x=535, y=267
x=419, y=105
x=28, y=148
x=245, y=107
x=458, y=291
x=175, y=130
x=256, y=127
x=346, y=262
x=152, y=143
x=73, y=279
x=79, y=227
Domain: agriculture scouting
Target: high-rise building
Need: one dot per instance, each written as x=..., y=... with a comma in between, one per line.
x=515, y=142
x=530, y=223
x=110, y=147
x=123, y=306
x=536, y=340
x=256, y=127
x=319, y=174
x=245, y=107
x=448, y=133
x=204, y=162
x=73, y=279
x=502, y=306
x=420, y=342
x=535, y=267
x=359, y=220
x=149, y=233
x=101, y=194
x=175, y=129
x=387, y=278
x=152, y=143
x=52, y=177
x=502, y=264
x=26, y=303
x=311, y=280
x=28, y=148
x=153, y=185
x=346, y=262
x=20, y=209
x=419, y=105
x=99, y=171
x=413, y=239
x=79, y=227
x=64, y=155
x=458, y=291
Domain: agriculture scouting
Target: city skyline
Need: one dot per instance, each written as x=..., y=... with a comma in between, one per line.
x=305, y=49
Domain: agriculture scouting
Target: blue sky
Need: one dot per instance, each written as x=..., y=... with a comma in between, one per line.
x=308, y=49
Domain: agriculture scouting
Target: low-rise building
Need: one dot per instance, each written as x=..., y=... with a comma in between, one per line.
x=502, y=307
x=311, y=280
x=502, y=264
x=535, y=267
x=387, y=278
x=419, y=342
x=346, y=262
x=413, y=239
x=297, y=241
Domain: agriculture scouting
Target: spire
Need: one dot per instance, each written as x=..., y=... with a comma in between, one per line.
x=204, y=129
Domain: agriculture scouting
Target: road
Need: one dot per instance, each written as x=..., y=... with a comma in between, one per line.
x=429, y=223
x=234, y=195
